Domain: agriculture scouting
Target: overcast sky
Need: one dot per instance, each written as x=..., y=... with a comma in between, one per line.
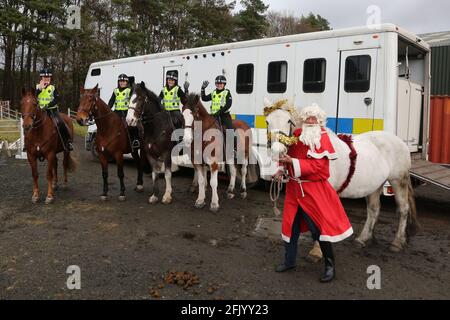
x=418, y=16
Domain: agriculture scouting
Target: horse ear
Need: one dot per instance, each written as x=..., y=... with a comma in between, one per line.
x=197, y=99
x=82, y=90
x=96, y=87
x=142, y=84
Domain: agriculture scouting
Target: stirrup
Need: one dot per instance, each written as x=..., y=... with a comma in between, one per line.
x=69, y=146
x=135, y=144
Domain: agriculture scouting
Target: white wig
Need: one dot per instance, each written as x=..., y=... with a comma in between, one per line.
x=313, y=111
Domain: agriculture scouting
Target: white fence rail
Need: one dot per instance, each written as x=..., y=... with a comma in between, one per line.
x=7, y=113
x=72, y=114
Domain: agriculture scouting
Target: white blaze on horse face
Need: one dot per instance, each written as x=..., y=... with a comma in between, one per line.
x=131, y=114
x=279, y=121
x=188, y=121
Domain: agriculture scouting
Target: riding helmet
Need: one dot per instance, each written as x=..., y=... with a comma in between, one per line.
x=46, y=73
x=172, y=75
x=221, y=79
x=123, y=77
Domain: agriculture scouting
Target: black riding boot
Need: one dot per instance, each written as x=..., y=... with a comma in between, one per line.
x=327, y=251
x=290, y=256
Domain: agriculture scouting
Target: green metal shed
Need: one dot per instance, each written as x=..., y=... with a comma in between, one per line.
x=440, y=62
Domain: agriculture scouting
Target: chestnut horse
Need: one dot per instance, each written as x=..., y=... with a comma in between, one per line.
x=208, y=151
x=42, y=141
x=111, y=139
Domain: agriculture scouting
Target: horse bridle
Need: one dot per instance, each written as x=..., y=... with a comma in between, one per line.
x=282, y=137
x=94, y=106
x=142, y=117
x=33, y=116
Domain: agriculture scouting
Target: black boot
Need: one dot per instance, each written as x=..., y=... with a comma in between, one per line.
x=328, y=257
x=289, y=257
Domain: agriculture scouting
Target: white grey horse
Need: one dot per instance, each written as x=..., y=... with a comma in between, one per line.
x=381, y=157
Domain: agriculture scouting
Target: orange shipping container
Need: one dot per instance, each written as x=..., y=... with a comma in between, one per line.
x=439, y=151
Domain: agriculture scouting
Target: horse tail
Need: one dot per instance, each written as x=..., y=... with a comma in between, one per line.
x=413, y=222
x=70, y=163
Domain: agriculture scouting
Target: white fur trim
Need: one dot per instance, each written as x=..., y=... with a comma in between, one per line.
x=337, y=238
x=287, y=239
x=297, y=168
x=331, y=156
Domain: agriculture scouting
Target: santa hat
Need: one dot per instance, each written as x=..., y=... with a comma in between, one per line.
x=313, y=111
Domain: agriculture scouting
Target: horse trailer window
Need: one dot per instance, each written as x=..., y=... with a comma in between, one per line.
x=314, y=72
x=244, y=78
x=96, y=72
x=277, y=77
x=357, y=73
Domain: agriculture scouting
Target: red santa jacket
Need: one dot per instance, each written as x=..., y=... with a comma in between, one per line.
x=308, y=187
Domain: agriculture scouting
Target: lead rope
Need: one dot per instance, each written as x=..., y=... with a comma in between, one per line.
x=275, y=191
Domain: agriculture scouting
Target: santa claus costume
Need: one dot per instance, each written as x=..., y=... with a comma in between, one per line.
x=311, y=202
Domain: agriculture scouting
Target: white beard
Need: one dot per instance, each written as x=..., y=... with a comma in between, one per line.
x=311, y=135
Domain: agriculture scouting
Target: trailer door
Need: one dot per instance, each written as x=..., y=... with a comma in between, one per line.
x=357, y=87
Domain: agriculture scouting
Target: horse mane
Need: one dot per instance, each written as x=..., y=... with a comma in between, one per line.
x=191, y=97
x=152, y=96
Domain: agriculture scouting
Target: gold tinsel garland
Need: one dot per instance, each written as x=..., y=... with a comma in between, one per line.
x=287, y=141
x=277, y=106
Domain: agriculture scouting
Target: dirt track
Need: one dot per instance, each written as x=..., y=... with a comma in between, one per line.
x=124, y=250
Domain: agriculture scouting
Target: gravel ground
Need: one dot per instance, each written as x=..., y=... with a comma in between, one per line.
x=132, y=250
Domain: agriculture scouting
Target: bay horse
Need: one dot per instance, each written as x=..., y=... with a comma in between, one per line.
x=380, y=157
x=155, y=125
x=207, y=149
x=42, y=141
x=112, y=139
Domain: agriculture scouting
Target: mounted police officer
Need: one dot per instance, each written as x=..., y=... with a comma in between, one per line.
x=120, y=100
x=221, y=101
x=172, y=96
x=48, y=99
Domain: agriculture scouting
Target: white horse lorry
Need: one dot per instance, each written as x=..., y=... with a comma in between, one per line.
x=365, y=78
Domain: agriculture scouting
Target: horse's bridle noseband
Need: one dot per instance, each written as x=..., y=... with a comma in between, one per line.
x=33, y=116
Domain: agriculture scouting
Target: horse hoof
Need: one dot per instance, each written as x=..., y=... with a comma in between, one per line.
x=139, y=189
x=49, y=200
x=396, y=248
x=230, y=195
x=153, y=200
x=34, y=200
x=122, y=198
x=360, y=244
x=200, y=205
x=167, y=200
x=244, y=195
x=104, y=198
x=214, y=208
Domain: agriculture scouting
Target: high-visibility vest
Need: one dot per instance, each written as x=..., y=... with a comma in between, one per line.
x=46, y=96
x=219, y=100
x=171, y=99
x=122, y=99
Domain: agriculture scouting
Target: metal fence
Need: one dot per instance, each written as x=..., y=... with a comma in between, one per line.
x=7, y=113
